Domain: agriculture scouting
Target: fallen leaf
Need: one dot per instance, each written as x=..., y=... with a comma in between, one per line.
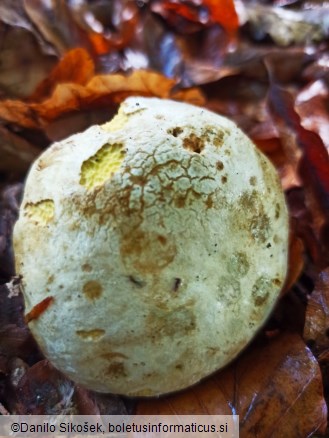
x=38, y=309
x=11, y=307
x=198, y=13
x=100, y=91
x=223, y=12
x=312, y=106
x=6, y=253
x=301, y=222
x=313, y=162
x=54, y=22
x=17, y=154
x=275, y=388
x=13, y=14
x=317, y=315
x=108, y=26
x=41, y=390
x=15, y=341
x=22, y=63
x=75, y=67
x=285, y=26
x=3, y=410
x=93, y=403
x=318, y=69
x=295, y=262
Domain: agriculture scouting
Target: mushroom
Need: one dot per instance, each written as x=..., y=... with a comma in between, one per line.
x=152, y=248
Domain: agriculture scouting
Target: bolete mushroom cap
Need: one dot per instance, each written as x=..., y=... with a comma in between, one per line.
x=160, y=242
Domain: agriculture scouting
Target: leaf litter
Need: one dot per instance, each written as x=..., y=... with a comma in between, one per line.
x=83, y=59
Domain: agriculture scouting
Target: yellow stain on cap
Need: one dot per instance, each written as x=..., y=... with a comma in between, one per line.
x=41, y=212
x=90, y=334
x=117, y=123
x=101, y=166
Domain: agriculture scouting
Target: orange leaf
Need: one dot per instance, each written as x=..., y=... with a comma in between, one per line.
x=22, y=113
x=220, y=11
x=100, y=44
x=100, y=91
x=75, y=67
x=276, y=389
x=181, y=9
x=223, y=12
x=38, y=310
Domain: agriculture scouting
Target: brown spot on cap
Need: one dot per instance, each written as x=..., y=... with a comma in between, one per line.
x=252, y=180
x=180, y=201
x=92, y=289
x=259, y=301
x=218, y=139
x=209, y=202
x=277, y=211
x=113, y=355
x=50, y=279
x=277, y=282
x=86, y=267
x=261, y=290
x=116, y=370
x=162, y=239
x=147, y=252
x=90, y=334
x=193, y=143
x=219, y=165
x=175, y=131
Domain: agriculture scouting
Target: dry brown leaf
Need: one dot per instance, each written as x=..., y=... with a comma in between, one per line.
x=296, y=261
x=75, y=67
x=285, y=26
x=13, y=14
x=307, y=152
x=16, y=153
x=41, y=390
x=22, y=63
x=9, y=199
x=100, y=91
x=54, y=22
x=312, y=106
x=317, y=314
x=275, y=388
x=108, y=25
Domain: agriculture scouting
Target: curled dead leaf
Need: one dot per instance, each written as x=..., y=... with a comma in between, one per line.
x=99, y=91
x=76, y=67
x=317, y=315
x=109, y=25
x=275, y=388
x=17, y=154
x=311, y=160
x=295, y=262
x=41, y=390
x=286, y=26
x=311, y=105
x=39, y=309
